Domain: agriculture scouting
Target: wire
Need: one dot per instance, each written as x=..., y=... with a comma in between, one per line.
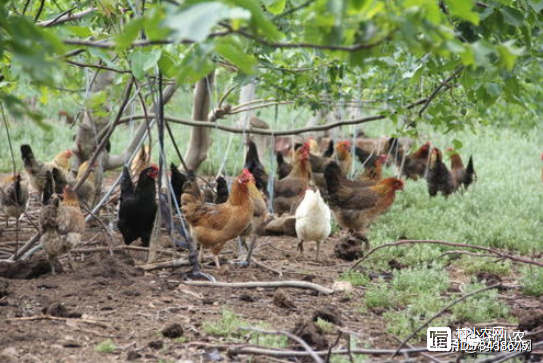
x=9, y=139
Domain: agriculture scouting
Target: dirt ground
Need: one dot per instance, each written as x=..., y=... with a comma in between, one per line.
x=65, y=317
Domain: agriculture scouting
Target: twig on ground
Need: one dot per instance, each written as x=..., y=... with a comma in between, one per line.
x=49, y=317
x=298, y=340
x=264, y=284
x=168, y=264
x=258, y=350
x=266, y=267
x=482, y=248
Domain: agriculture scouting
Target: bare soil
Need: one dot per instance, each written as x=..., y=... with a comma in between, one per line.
x=154, y=317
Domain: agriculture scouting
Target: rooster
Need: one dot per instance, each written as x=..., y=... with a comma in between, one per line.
x=13, y=200
x=213, y=225
x=62, y=223
x=312, y=220
x=283, y=168
x=462, y=176
x=439, y=178
x=36, y=169
x=288, y=191
x=416, y=163
x=356, y=208
x=255, y=167
x=138, y=206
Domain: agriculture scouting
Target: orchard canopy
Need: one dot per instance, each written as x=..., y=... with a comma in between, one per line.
x=439, y=62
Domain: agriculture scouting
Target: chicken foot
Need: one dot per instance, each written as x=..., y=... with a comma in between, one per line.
x=250, y=251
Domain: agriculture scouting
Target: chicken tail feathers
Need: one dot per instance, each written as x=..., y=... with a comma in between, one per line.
x=362, y=155
x=178, y=180
x=59, y=181
x=27, y=155
x=329, y=150
x=222, y=191
x=47, y=188
x=126, y=183
x=470, y=175
x=332, y=175
x=279, y=158
x=252, y=155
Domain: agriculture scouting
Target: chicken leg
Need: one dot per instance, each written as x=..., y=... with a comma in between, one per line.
x=300, y=247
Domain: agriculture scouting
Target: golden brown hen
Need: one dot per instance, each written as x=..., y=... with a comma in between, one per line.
x=211, y=225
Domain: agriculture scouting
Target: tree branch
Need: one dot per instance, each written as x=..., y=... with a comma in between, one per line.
x=453, y=244
x=84, y=65
x=106, y=137
x=67, y=16
x=455, y=74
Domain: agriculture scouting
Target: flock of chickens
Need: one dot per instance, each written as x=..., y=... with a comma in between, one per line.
x=311, y=186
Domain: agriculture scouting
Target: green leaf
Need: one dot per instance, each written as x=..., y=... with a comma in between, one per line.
x=234, y=53
x=512, y=16
x=80, y=31
x=141, y=61
x=258, y=19
x=457, y=144
x=196, y=63
x=463, y=10
x=508, y=54
x=536, y=5
x=275, y=6
x=195, y=22
x=129, y=34
x=167, y=65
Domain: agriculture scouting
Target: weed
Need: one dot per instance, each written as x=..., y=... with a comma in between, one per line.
x=106, y=347
x=356, y=278
x=326, y=326
x=532, y=281
x=481, y=307
x=474, y=265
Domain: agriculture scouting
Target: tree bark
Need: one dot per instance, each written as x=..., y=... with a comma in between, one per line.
x=200, y=139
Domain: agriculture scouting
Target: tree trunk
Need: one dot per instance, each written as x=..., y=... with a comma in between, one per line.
x=248, y=120
x=200, y=139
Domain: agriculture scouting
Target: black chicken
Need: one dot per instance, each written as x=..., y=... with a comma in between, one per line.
x=138, y=206
x=439, y=178
x=221, y=196
x=283, y=168
x=178, y=180
x=330, y=150
x=253, y=164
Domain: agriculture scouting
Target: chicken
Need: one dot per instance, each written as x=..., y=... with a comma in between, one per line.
x=439, y=178
x=138, y=206
x=329, y=150
x=178, y=180
x=356, y=208
x=62, y=223
x=260, y=216
x=86, y=192
x=13, y=196
x=462, y=176
x=343, y=151
x=255, y=167
x=140, y=161
x=289, y=190
x=415, y=164
x=36, y=169
x=312, y=220
x=211, y=225
x=13, y=200
x=314, y=147
x=373, y=170
x=283, y=168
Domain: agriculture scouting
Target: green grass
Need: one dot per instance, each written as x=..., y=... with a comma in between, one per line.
x=532, y=281
x=230, y=324
x=356, y=278
x=106, y=347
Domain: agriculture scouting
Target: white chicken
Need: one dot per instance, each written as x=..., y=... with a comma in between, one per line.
x=312, y=220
